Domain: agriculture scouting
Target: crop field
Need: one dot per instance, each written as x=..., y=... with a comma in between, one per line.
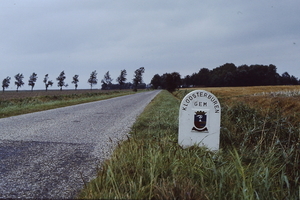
x=259, y=156
x=22, y=102
x=263, y=98
x=7, y=95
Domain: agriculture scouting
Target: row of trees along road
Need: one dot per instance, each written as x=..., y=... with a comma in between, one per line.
x=106, y=81
x=225, y=76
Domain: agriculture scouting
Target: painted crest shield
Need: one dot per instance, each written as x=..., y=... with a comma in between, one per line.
x=200, y=120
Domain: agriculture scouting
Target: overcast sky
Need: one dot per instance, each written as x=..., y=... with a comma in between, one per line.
x=163, y=36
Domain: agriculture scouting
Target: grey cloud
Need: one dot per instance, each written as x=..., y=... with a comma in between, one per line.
x=79, y=36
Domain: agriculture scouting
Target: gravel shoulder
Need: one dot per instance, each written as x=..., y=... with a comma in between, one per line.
x=50, y=154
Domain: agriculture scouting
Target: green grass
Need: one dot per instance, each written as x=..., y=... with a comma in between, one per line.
x=258, y=159
x=19, y=106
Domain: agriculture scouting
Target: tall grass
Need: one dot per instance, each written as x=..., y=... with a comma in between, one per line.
x=258, y=159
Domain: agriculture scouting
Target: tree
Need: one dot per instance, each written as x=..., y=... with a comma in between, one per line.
x=287, y=79
x=93, y=79
x=203, y=77
x=75, y=81
x=47, y=83
x=242, y=76
x=61, y=80
x=121, y=79
x=138, y=77
x=106, y=81
x=187, y=81
x=156, y=81
x=272, y=75
x=294, y=80
x=19, y=80
x=172, y=81
x=218, y=75
x=5, y=83
x=32, y=80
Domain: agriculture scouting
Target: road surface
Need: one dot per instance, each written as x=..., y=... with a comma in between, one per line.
x=50, y=154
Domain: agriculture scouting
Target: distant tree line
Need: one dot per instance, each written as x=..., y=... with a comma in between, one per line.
x=226, y=75
x=137, y=81
x=107, y=84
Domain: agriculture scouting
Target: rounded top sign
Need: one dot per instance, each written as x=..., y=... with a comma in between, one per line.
x=200, y=98
x=199, y=120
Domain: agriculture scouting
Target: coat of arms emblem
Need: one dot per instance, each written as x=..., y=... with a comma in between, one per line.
x=200, y=119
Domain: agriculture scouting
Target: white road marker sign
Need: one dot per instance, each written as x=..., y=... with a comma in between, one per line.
x=199, y=120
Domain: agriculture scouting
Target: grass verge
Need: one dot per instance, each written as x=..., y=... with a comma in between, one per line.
x=259, y=158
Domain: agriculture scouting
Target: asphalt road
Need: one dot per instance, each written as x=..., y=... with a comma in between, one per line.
x=50, y=154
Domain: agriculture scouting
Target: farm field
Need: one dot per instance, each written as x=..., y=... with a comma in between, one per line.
x=240, y=91
x=259, y=152
x=7, y=95
x=22, y=102
x=263, y=98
